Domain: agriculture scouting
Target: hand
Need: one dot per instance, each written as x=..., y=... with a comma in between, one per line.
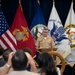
x=30, y=59
x=10, y=57
x=31, y=62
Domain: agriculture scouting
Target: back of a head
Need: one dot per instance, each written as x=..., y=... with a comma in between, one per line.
x=19, y=60
x=1, y=51
x=46, y=63
x=6, y=53
x=45, y=59
x=28, y=50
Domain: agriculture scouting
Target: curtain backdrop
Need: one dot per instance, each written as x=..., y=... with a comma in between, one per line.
x=29, y=7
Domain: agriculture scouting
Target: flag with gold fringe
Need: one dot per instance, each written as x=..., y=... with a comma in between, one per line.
x=70, y=30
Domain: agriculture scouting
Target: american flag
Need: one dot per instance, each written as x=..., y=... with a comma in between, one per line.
x=7, y=40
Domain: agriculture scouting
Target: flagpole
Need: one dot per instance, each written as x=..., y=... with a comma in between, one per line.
x=20, y=4
x=38, y=2
x=72, y=0
x=53, y=2
x=19, y=1
x=0, y=3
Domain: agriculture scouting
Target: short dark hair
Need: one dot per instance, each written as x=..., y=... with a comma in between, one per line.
x=6, y=53
x=19, y=60
x=45, y=28
x=28, y=50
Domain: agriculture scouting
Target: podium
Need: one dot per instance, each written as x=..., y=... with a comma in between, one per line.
x=41, y=50
x=46, y=49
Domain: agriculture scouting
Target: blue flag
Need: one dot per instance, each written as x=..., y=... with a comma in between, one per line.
x=38, y=23
x=38, y=18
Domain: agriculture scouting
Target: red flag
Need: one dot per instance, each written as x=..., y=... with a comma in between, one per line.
x=21, y=32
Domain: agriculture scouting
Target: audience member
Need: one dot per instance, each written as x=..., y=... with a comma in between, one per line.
x=1, y=59
x=47, y=65
x=19, y=61
x=5, y=55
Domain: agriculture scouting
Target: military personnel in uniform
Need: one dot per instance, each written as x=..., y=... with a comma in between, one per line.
x=45, y=42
